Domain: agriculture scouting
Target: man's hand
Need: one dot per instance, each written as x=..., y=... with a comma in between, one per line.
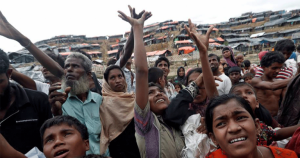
x=202, y=41
x=57, y=99
x=8, y=31
x=135, y=22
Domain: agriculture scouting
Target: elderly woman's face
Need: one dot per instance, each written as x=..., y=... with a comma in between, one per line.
x=234, y=130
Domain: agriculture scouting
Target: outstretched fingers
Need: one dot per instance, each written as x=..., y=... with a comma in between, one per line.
x=199, y=44
x=123, y=16
x=209, y=31
x=149, y=15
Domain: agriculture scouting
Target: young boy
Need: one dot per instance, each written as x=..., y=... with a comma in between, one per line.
x=64, y=136
x=248, y=77
x=235, y=75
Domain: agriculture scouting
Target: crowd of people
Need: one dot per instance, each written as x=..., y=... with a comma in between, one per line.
x=228, y=107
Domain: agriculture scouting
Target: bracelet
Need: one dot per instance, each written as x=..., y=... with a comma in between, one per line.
x=29, y=44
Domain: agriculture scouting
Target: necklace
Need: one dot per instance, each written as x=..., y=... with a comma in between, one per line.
x=260, y=153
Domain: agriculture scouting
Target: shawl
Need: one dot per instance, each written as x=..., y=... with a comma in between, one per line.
x=294, y=144
x=230, y=61
x=116, y=112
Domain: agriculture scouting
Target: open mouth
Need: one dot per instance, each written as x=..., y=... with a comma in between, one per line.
x=160, y=100
x=61, y=153
x=238, y=140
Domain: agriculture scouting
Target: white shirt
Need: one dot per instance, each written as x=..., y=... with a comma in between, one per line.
x=225, y=86
x=42, y=87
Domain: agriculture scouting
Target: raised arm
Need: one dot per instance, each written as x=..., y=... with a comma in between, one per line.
x=202, y=42
x=22, y=79
x=128, y=49
x=140, y=54
x=8, y=31
x=279, y=84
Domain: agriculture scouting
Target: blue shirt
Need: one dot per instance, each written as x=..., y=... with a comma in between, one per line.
x=88, y=113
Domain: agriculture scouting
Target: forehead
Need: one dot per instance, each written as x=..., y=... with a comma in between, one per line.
x=276, y=64
x=227, y=109
x=193, y=76
x=212, y=57
x=163, y=63
x=234, y=73
x=242, y=88
x=73, y=61
x=115, y=72
x=154, y=88
x=56, y=129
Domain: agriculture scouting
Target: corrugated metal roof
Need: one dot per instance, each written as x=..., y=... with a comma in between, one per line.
x=275, y=22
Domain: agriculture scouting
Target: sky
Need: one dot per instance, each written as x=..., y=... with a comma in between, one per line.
x=44, y=19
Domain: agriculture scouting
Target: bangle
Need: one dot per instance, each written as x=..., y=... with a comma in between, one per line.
x=29, y=44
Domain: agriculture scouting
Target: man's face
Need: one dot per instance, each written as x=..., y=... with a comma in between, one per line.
x=47, y=74
x=235, y=77
x=74, y=69
x=273, y=70
x=214, y=63
x=116, y=80
x=164, y=66
x=286, y=54
x=64, y=141
x=75, y=76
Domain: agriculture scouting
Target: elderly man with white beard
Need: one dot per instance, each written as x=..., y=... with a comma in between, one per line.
x=77, y=100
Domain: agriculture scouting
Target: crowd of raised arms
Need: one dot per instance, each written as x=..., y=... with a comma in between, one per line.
x=226, y=108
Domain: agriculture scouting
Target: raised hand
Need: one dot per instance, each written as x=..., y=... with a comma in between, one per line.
x=8, y=31
x=57, y=99
x=202, y=41
x=131, y=20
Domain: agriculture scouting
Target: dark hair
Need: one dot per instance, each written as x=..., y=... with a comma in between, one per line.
x=4, y=62
x=261, y=113
x=214, y=55
x=56, y=57
x=272, y=57
x=298, y=48
x=234, y=69
x=94, y=156
x=151, y=84
x=248, y=75
x=223, y=99
x=160, y=59
x=179, y=84
x=197, y=70
x=154, y=74
x=241, y=84
x=247, y=63
x=65, y=119
x=108, y=69
x=285, y=45
x=111, y=61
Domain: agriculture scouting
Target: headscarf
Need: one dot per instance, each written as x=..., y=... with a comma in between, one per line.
x=230, y=61
x=116, y=112
x=262, y=54
x=180, y=79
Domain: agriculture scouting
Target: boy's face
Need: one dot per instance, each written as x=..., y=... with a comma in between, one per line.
x=235, y=77
x=248, y=80
x=64, y=141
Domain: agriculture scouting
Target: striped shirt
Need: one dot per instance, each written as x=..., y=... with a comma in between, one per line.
x=285, y=73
